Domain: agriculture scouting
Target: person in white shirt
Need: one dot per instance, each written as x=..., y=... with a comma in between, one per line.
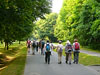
x=59, y=50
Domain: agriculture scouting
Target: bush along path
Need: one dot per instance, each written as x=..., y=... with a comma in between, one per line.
x=35, y=65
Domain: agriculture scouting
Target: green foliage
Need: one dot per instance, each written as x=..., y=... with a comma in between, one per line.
x=17, y=17
x=45, y=27
x=79, y=19
x=95, y=29
x=88, y=20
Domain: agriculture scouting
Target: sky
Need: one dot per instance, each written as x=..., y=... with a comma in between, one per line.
x=56, y=5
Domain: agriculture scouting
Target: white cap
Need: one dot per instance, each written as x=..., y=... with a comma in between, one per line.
x=68, y=42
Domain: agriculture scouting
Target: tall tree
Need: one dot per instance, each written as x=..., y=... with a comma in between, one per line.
x=17, y=16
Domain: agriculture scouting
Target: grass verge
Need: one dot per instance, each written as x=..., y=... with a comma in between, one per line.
x=17, y=64
x=86, y=59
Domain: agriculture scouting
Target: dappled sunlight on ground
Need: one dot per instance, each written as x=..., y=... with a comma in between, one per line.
x=7, y=56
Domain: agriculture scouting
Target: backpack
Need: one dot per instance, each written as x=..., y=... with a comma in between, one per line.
x=60, y=50
x=43, y=44
x=28, y=42
x=76, y=46
x=33, y=44
x=69, y=47
x=47, y=47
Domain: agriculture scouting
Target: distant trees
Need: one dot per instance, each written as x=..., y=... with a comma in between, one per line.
x=17, y=17
x=45, y=27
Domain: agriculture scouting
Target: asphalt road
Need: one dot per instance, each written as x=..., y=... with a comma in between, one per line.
x=35, y=65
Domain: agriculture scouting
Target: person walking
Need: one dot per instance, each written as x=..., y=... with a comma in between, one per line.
x=68, y=52
x=37, y=45
x=59, y=50
x=33, y=47
x=51, y=44
x=47, y=52
x=42, y=46
x=76, y=49
x=28, y=43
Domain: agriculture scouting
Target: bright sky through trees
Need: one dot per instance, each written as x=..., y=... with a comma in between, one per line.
x=56, y=5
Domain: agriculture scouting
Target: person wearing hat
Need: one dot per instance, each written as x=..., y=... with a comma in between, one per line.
x=68, y=52
x=76, y=49
x=59, y=50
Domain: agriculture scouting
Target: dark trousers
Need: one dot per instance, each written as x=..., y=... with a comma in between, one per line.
x=68, y=57
x=42, y=51
x=37, y=48
x=76, y=57
x=47, y=57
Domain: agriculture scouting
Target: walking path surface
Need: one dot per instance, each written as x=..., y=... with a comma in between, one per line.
x=90, y=53
x=35, y=65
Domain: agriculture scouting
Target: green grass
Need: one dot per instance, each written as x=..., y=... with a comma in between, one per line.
x=16, y=65
x=55, y=43
x=86, y=59
x=64, y=43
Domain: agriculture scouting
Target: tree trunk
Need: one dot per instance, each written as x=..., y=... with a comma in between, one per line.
x=6, y=46
x=1, y=42
x=19, y=42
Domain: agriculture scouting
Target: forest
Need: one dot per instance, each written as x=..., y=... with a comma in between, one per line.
x=78, y=19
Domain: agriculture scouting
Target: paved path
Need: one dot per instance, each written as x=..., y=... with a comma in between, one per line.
x=90, y=53
x=35, y=66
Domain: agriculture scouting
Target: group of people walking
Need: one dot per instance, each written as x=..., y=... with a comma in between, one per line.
x=36, y=46
x=41, y=46
x=46, y=49
x=32, y=46
x=69, y=49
